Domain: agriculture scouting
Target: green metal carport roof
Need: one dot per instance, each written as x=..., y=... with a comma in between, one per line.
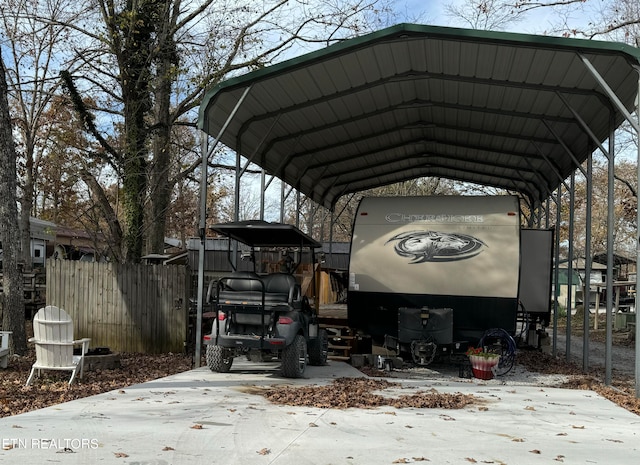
x=513, y=111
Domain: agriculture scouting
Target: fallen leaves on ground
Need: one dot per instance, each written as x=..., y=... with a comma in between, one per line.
x=413, y=459
x=345, y=393
x=53, y=386
x=621, y=391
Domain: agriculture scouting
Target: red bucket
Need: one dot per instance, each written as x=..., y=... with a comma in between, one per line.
x=482, y=374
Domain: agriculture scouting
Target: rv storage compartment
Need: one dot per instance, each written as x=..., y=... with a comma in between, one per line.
x=422, y=332
x=425, y=323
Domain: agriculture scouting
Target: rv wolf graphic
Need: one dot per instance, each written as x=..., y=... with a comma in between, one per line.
x=434, y=246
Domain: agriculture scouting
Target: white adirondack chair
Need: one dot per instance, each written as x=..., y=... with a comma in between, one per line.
x=53, y=337
x=4, y=348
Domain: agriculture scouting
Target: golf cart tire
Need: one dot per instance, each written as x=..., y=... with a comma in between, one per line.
x=294, y=358
x=219, y=359
x=318, y=349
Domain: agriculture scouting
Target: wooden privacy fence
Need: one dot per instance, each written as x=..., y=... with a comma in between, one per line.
x=125, y=307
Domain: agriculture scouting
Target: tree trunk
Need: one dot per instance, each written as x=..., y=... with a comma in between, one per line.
x=25, y=234
x=159, y=176
x=12, y=300
x=26, y=203
x=161, y=186
x=134, y=192
x=161, y=193
x=135, y=71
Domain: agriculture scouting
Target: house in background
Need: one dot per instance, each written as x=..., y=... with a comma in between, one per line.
x=34, y=281
x=624, y=269
x=49, y=240
x=623, y=265
x=42, y=234
x=76, y=244
x=598, y=272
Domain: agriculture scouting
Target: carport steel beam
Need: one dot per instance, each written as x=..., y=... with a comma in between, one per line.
x=636, y=126
x=289, y=87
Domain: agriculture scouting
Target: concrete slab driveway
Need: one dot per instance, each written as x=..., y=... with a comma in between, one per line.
x=200, y=417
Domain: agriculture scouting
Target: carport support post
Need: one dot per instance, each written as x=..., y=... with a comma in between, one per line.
x=546, y=213
x=201, y=249
x=572, y=199
x=637, y=243
x=282, y=197
x=610, y=220
x=586, y=294
x=297, y=209
x=263, y=187
x=206, y=153
x=636, y=125
x=556, y=288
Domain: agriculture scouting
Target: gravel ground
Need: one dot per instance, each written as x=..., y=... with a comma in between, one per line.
x=622, y=357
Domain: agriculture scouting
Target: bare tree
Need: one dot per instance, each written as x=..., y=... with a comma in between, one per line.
x=12, y=297
x=147, y=63
x=617, y=20
x=485, y=14
x=35, y=51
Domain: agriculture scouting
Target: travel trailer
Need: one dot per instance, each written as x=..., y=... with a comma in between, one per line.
x=440, y=269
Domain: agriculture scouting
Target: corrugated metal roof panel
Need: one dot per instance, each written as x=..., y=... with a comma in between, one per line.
x=412, y=101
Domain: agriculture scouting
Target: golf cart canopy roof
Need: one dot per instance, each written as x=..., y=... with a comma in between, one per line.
x=513, y=111
x=257, y=233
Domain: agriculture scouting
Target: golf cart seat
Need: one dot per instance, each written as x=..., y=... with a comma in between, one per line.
x=240, y=286
x=244, y=286
x=281, y=288
x=243, y=281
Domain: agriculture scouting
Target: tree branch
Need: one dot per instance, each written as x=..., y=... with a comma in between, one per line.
x=87, y=118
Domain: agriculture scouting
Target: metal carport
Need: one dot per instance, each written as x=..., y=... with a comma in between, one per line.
x=513, y=111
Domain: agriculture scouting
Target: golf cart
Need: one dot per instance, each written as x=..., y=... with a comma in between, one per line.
x=265, y=316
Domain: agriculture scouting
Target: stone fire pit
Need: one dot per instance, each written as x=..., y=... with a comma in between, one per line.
x=101, y=358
